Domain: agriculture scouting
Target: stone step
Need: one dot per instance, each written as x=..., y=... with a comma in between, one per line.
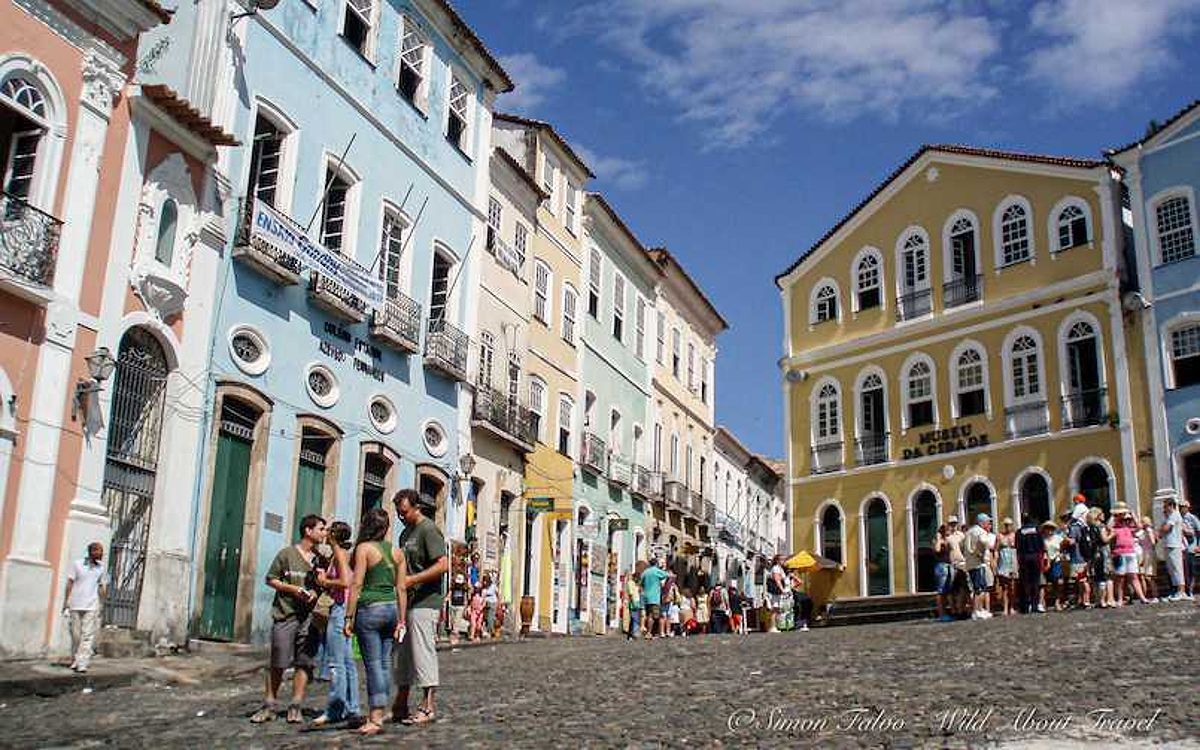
x=123, y=643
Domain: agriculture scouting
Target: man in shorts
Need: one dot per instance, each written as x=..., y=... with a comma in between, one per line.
x=652, y=589
x=975, y=554
x=1080, y=548
x=1191, y=548
x=294, y=637
x=943, y=574
x=425, y=555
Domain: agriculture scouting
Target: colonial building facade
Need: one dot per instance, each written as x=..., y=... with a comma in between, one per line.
x=957, y=345
x=750, y=522
x=1162, y=173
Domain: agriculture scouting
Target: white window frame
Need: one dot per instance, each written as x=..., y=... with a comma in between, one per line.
x=487, y=356
x=521, y=243
x=350, y=215
x=1052, y=225
x=948, y=248
x=595, y=276
x=639, y=335
x=372, y=24
x=565, y=413
x=544, y=296
x=570, y=317
x=660, y=345
x=537, y=404
x=571, y=208
x=495, y=223
x=676, y=353
x=1010, y=382
x=998, y=231
x=550, y=181
x=390, y=215
x=467, y=112
x=815, y=297
x=859, y=415
x=816, y=402
x=1182, y=320
x=691, y=366
x=288, y=154
x=953, y=377
x=1064, y=331
x=909, y=234
x=1177, y=191
x=420, y=98
x=880, y=283
x=45, y=180
x=905, y=396
x=620, y=292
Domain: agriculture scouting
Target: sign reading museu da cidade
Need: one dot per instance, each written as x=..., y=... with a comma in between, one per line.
x=276, y=230
x=950, y=440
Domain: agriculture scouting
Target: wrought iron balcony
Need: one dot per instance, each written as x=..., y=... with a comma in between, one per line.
x=264, y=258
x=647, y=483
x=28, y=244
x=872, y=449
x=675, y=494
x=336, y=299
x=1027, y=419
x=507, y=419
x=446, y=350
x=827, y=457
x=962, y=290
x=620, y=471
x=914, y=304
x=595, y=453
x=398, y=324
x=1085, y=408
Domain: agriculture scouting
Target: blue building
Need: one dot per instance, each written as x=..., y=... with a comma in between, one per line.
x=344, y=304
x=1162, y=172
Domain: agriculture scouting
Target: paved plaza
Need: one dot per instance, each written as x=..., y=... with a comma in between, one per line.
x=1023, y=682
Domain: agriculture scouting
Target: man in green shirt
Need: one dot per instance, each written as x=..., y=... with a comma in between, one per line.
x=425, y=556
x=294, y=638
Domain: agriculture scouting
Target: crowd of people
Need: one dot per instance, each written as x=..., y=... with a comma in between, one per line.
x=1085, y=559
x=654, y=605
x=388, y=597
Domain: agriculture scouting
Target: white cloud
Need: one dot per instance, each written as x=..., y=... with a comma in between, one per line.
x=534, y=80
x=1097, y=50
x=736, y=67
x=626, y=174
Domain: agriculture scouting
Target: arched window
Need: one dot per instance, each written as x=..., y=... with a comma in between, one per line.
x=1086, y=402
x=566, y=408
x=826, y=429
x=918, y=391
x=872, y=420
x=22, y=128
x=830, y=542
x=1035, y=497
x=977, y=499
x=1175, y=225
x=1094, y=484
x=1026, y=372
x=868, y=281
x=537, y=407
x=1185, y=356
x=915, y=299
x=1015, y=240
x=824, y=303
x=1072, y=226
x=963, y=281
x=970, y=383
x=168, y=220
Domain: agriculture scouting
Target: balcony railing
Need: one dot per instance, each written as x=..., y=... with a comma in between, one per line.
x=266, y=259
x=446, y=349
x=28, y=241
x=620, y=471
x=710, y=512
x=511, y=420
x=595, y=453
x=914, y=304
x=336, y=299
x=961, y=291
x=827, y=457
x=872, y=449
x=675, y=494
x=398, y=323
x=646, y=482
x=1027, y=419
x=1085, y=408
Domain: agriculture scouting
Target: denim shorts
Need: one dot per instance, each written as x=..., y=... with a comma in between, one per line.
x=979, y=580
x=941, y=575
x=1125, y=564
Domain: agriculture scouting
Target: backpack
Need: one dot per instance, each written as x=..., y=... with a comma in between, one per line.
x=773, y=587
x=1085, y=539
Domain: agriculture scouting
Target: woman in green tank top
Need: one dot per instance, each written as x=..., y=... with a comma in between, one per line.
x=374, y=612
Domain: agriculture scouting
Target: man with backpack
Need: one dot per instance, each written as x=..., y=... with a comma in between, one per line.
x=1081, y=546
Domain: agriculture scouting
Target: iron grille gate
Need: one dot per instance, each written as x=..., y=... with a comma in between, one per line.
x=130, y=468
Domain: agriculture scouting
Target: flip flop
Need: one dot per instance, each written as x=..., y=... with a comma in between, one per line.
x=369, y=729
x=420, y=716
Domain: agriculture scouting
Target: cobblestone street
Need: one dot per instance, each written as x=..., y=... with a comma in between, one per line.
x=867, y=686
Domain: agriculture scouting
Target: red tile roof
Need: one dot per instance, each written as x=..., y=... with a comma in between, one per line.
x=945, y=148
x=187, y=115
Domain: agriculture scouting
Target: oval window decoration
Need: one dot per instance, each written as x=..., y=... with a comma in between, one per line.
x=249, y=350
x=382, y=413
x=434, y=436
x=322, y=385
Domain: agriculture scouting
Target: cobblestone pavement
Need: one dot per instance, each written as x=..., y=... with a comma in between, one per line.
x=869, y=686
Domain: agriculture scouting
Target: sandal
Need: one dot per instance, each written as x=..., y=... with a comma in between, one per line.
x=369, y=729
x=420, y=716
x=264, y=714
x=294, y=714
x=321, y=722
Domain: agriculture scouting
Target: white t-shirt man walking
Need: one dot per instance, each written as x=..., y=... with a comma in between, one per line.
x=87, y=585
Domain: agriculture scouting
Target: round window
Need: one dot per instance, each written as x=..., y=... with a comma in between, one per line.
x=249, y=350
x=383, y=414
x=322, y=385
x=435, y=439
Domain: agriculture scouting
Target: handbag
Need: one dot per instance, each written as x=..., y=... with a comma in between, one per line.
x=320, y=613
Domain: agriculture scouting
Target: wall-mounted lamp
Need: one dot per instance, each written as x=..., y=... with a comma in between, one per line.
x=100, y=365
x=255, y=7
x=466, y=462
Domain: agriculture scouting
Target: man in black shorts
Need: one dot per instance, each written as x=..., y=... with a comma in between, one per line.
x=294, y=638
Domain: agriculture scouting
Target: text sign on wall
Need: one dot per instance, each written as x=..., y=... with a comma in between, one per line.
x=952, y=440
x=273, y=228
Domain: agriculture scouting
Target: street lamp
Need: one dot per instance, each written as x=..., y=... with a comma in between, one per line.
x=466, y=462
x=100, y=364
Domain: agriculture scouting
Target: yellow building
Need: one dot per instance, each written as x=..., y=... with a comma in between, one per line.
x=552, y=361
x=957, y=345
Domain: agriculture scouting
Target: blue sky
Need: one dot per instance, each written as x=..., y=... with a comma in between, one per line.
x=736, y=133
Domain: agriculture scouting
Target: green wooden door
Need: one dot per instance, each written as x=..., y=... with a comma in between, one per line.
x=879, y=558
x=310, y=486
x=223, y=556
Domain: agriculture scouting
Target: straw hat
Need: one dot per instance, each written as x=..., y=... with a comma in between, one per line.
x=1049, y=524
x=1120, y=509
x=1007, y=521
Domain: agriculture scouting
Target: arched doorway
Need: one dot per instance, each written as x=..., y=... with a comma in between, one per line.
x=1035, y=497
x=130, y=467
x=1094, y=484
x=831, y=533
x=878, y=550
x=924, y=520
x=977, y=499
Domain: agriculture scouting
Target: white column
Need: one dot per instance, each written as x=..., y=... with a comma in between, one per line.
x=26, y=569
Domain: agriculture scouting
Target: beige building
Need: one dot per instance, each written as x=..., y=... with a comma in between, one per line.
x=686, y=325
x=552, y=362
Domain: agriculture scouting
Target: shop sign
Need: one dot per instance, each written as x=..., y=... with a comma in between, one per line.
x=941, y=442
x=618, y=524
x=539, y=504
x=272, y=228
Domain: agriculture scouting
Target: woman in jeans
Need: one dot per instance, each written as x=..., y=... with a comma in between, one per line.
x=374, y=612
x=343, y=683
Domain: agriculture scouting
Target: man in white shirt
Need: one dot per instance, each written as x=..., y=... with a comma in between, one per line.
x=87, y=585
x=976, y=544
x=1171, y=534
